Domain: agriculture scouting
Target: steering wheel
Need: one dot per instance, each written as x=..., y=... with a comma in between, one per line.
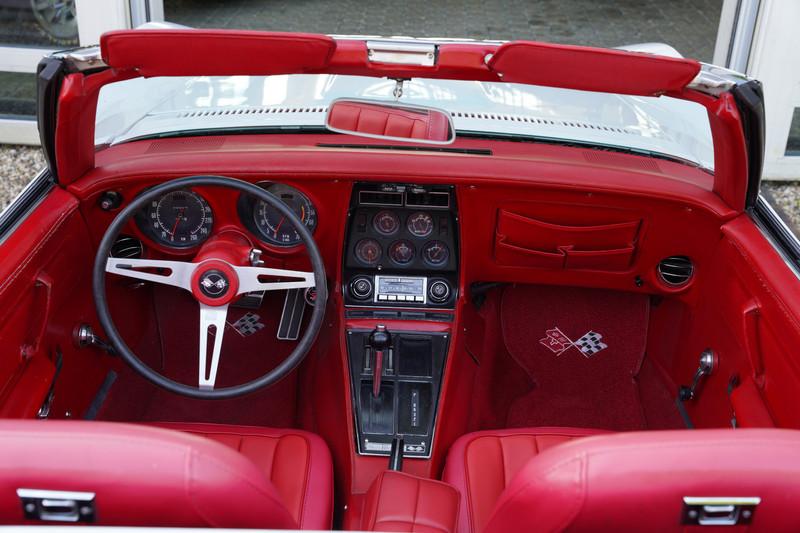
x=215, y=279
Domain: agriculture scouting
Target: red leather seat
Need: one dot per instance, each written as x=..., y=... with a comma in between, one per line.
x=201, y=475
x=638, y=480
x=482, y=464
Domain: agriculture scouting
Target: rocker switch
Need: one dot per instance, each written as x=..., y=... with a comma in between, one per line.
x=380, y=341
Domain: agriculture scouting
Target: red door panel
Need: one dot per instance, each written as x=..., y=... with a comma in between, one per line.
x=750, y=316
x=45, y=268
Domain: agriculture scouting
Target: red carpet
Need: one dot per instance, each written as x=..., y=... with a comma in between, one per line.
x=571, y=388
x=134, y=399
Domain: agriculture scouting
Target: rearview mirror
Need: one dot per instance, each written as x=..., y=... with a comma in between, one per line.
x=391, y=121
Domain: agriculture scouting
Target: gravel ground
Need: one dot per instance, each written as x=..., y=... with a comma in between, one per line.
x=18, y=165
x=786, y=197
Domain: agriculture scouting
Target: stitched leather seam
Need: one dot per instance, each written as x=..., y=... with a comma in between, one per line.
x=54, y=228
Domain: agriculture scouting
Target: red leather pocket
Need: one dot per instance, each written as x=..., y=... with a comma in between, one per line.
x=521, y=240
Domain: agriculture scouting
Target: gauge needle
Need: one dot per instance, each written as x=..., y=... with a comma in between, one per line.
x=279, y=226
x=177, y=221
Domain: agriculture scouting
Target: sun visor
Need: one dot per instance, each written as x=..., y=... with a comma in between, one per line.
x=215, y=52
x=591, y=69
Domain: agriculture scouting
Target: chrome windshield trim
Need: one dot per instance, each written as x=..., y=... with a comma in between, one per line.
x=716, y=80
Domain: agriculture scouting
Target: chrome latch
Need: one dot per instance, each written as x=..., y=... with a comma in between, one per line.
x=391, y=52
x=718, y=511
x=57, y=505
x=706, y=367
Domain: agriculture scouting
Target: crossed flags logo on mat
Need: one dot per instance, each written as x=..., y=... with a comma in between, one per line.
x=557, y=342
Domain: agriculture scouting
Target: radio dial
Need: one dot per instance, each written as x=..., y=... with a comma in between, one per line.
x=439, y=291
x=361, y=288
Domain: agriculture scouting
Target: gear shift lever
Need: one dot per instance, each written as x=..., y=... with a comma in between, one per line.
x=379, y=340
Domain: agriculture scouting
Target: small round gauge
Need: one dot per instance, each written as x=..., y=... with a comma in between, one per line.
x=401, y=252
x=435, y=253
x=273, y=226
x=179, y=219
x=420, y=224
x=368, y=251
x=386, y=223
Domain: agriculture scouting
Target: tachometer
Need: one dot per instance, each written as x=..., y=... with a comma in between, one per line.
x=180, y=219
x=273, y=226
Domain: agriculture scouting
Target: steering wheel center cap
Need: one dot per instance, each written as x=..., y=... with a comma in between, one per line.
x=215, y=282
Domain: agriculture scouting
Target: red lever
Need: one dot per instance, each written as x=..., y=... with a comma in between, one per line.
x=380, y=340
x=378, y=370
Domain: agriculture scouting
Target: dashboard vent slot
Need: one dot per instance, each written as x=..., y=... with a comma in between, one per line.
x=428, y=199
x=380, y=198
x=676, y=270
x=126, y=247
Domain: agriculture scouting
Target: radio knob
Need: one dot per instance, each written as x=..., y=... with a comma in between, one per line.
x=361, y=288
x=439, y=291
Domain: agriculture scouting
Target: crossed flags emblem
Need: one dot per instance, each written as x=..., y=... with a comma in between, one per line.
x=557, y=342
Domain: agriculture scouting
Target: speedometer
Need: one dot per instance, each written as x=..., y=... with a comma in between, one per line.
x=179, y=219
x=273, y=226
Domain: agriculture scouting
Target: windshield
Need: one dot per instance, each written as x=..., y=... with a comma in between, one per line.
x=147, y=107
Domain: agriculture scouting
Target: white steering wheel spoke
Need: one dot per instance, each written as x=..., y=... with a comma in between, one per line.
x=210, y=316
x=249, y=279
x=175, y=273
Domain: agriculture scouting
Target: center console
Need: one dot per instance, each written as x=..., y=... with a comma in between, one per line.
x=400, y=263
x=402, y=247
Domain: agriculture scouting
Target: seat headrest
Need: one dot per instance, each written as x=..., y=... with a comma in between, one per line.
x=638, y=481
x=140, y=476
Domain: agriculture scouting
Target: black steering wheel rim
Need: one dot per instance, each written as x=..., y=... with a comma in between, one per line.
x=104, y=314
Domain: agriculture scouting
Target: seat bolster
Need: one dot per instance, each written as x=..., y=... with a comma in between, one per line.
x=636, y=480
x=481, y=464
x=402, y=502
x=298, y=464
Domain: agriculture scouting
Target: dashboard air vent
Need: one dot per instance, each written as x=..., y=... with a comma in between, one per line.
x=380, y=198
x=126, y=247
x=427, y=199
x=676, y=270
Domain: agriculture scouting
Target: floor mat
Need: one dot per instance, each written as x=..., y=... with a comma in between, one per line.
x=582, y=348
x=172, y=348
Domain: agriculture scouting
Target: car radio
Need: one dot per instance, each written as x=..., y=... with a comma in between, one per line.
x=401, y=289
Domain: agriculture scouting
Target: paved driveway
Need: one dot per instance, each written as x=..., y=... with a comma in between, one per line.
x=688, y=25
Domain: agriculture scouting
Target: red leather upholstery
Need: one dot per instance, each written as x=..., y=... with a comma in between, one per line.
x=394, y=122
x=482, y=464
x=297, y=463
x=402, y=502
x=145, y=476
x=634, y=481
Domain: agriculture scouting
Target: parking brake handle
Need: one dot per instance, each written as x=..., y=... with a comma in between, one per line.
x=379, y=340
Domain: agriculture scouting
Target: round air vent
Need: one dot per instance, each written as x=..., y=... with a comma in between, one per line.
x=676, y=270
x=126, y=247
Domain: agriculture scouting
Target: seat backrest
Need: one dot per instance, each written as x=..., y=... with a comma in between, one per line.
x=638, y=482
x=139, y=476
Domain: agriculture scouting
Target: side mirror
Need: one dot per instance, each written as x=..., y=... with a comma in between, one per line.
x=391, y=121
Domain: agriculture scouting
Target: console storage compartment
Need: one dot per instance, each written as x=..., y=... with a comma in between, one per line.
x=402, y=502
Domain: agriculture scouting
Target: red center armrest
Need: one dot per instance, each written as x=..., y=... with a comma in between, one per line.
x=402, y=502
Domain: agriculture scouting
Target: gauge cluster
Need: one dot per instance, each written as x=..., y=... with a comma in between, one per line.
x=182, y=220
x=406, y=234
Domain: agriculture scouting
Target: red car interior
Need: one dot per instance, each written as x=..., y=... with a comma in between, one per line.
x=145, y=475
x=534, y=374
